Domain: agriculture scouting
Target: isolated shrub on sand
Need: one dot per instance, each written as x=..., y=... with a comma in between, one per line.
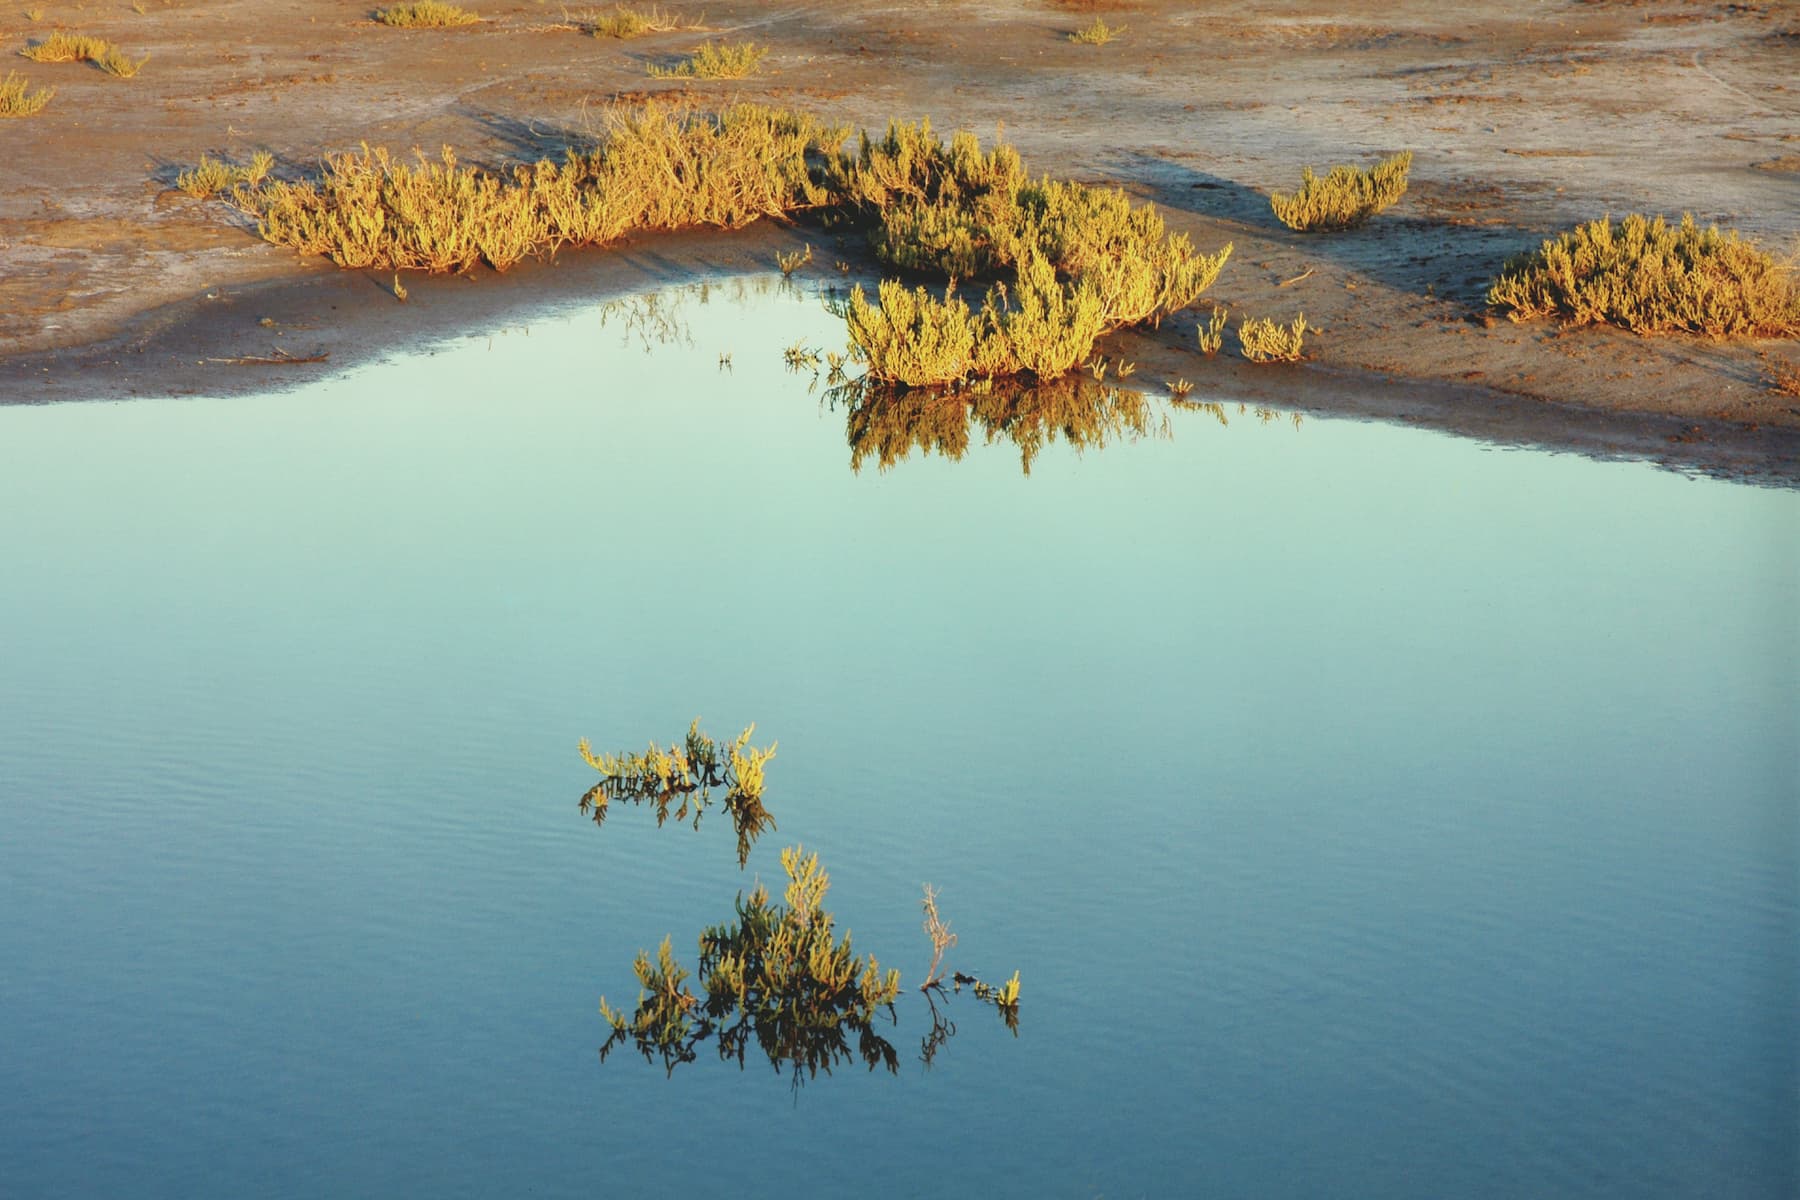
x=18, y=100
x=214, y=176
x=716, y=60
x=1347, y=196
x=1261, y=340
x=1650, y=277
x=425, y=14
x=63, y=47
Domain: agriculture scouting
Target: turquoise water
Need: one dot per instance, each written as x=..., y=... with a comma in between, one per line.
x=1366, y=812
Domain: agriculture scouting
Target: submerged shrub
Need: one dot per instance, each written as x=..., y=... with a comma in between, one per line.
x=425, y=14
x=1346, y=197
x=211, y=176
x=16, y=98
x=1649, y=277
x=1261, y=340
x=716, y=60
x=63, y=47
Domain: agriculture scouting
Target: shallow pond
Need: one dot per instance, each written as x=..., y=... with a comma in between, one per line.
x=1366, y=812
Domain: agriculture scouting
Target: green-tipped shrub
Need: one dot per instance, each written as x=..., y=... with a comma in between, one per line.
x=16, y=98
x=1346, y=197
x=716, y=60
x=425, y=14
x=213, y=176
x=1261, y=340
x=1651, y=278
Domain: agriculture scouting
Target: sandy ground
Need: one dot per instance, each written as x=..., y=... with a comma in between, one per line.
x=1524, y=118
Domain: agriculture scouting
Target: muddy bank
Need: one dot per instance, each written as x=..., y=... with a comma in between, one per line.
x=1521, y=123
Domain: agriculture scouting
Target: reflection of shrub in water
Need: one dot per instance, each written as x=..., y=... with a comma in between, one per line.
x=684, y=776
x=886, y=423
x=779, y=977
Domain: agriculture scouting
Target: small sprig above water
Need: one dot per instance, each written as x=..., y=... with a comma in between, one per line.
x=682, y=779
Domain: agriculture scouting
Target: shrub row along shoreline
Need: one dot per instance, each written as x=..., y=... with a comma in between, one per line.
x=1058, y=264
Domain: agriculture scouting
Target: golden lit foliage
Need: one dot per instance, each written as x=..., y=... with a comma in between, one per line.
x=63, y=47
x=685, y=776
x=425, y=14
x=212, y=176
x=715, y=60
x=1096, y=33
x=659, y=166
x=1347, y=196
x=912, y=338
x=1212, y=334
x=623, y=22
x=1650, y=277
x=1261, y=340
x=16, y=98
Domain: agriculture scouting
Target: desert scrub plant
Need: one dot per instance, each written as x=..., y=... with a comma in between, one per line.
x=62, y=47
x=715, y=60
x=1261, y=340
x=1096, y=33
x=18, y=100
x=425, y=14
x=213, y=176
x=623, y=22
x=685, y=776
x=1212, y=334
x=1652, y=278
x=912, y=338
x=657, y=167
x=1347, y=196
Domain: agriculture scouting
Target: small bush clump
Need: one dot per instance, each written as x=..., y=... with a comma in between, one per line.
x=623, y=22
x=1261, y=340
x=213, y=176
x=1652, y=278
x=62, y=47
x=1346, y=197
x=18, y=100
x=425, y=14
x=715, y=60
x=1212, y=334
x=1096, y=33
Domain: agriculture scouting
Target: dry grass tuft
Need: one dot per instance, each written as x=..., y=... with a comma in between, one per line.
x=63, y=47
x=425, y=14
x=1097, y=33
x=1651, y=278
x=1212, y=334
x=1344, y=198
x=623, y=22
x=1783, y=380
x=1261, y=340
x=716, y=60
x=16, y=98
x=214, y=176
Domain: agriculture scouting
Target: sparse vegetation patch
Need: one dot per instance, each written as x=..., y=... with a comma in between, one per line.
x=1652, y=278
x=18, y=100
x=1096, y=33
x=1261, y=340
x=1346, y=197
x=63, y=47
x=425, y=14
x=716, y=60
x=623, y=22
x=213, y=176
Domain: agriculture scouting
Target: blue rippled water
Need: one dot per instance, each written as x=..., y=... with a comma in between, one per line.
x=1367, y=812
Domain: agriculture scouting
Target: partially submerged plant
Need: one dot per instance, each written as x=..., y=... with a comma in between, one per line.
x=425, y=14
x=62, y=47
x=684, y=776
x=1347, y=196
x=1096, y=33
x=213, y=176
x=16, y=98
x=792, y=260
x=715, y=60
x=1651, y=277
x=1263, y=341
